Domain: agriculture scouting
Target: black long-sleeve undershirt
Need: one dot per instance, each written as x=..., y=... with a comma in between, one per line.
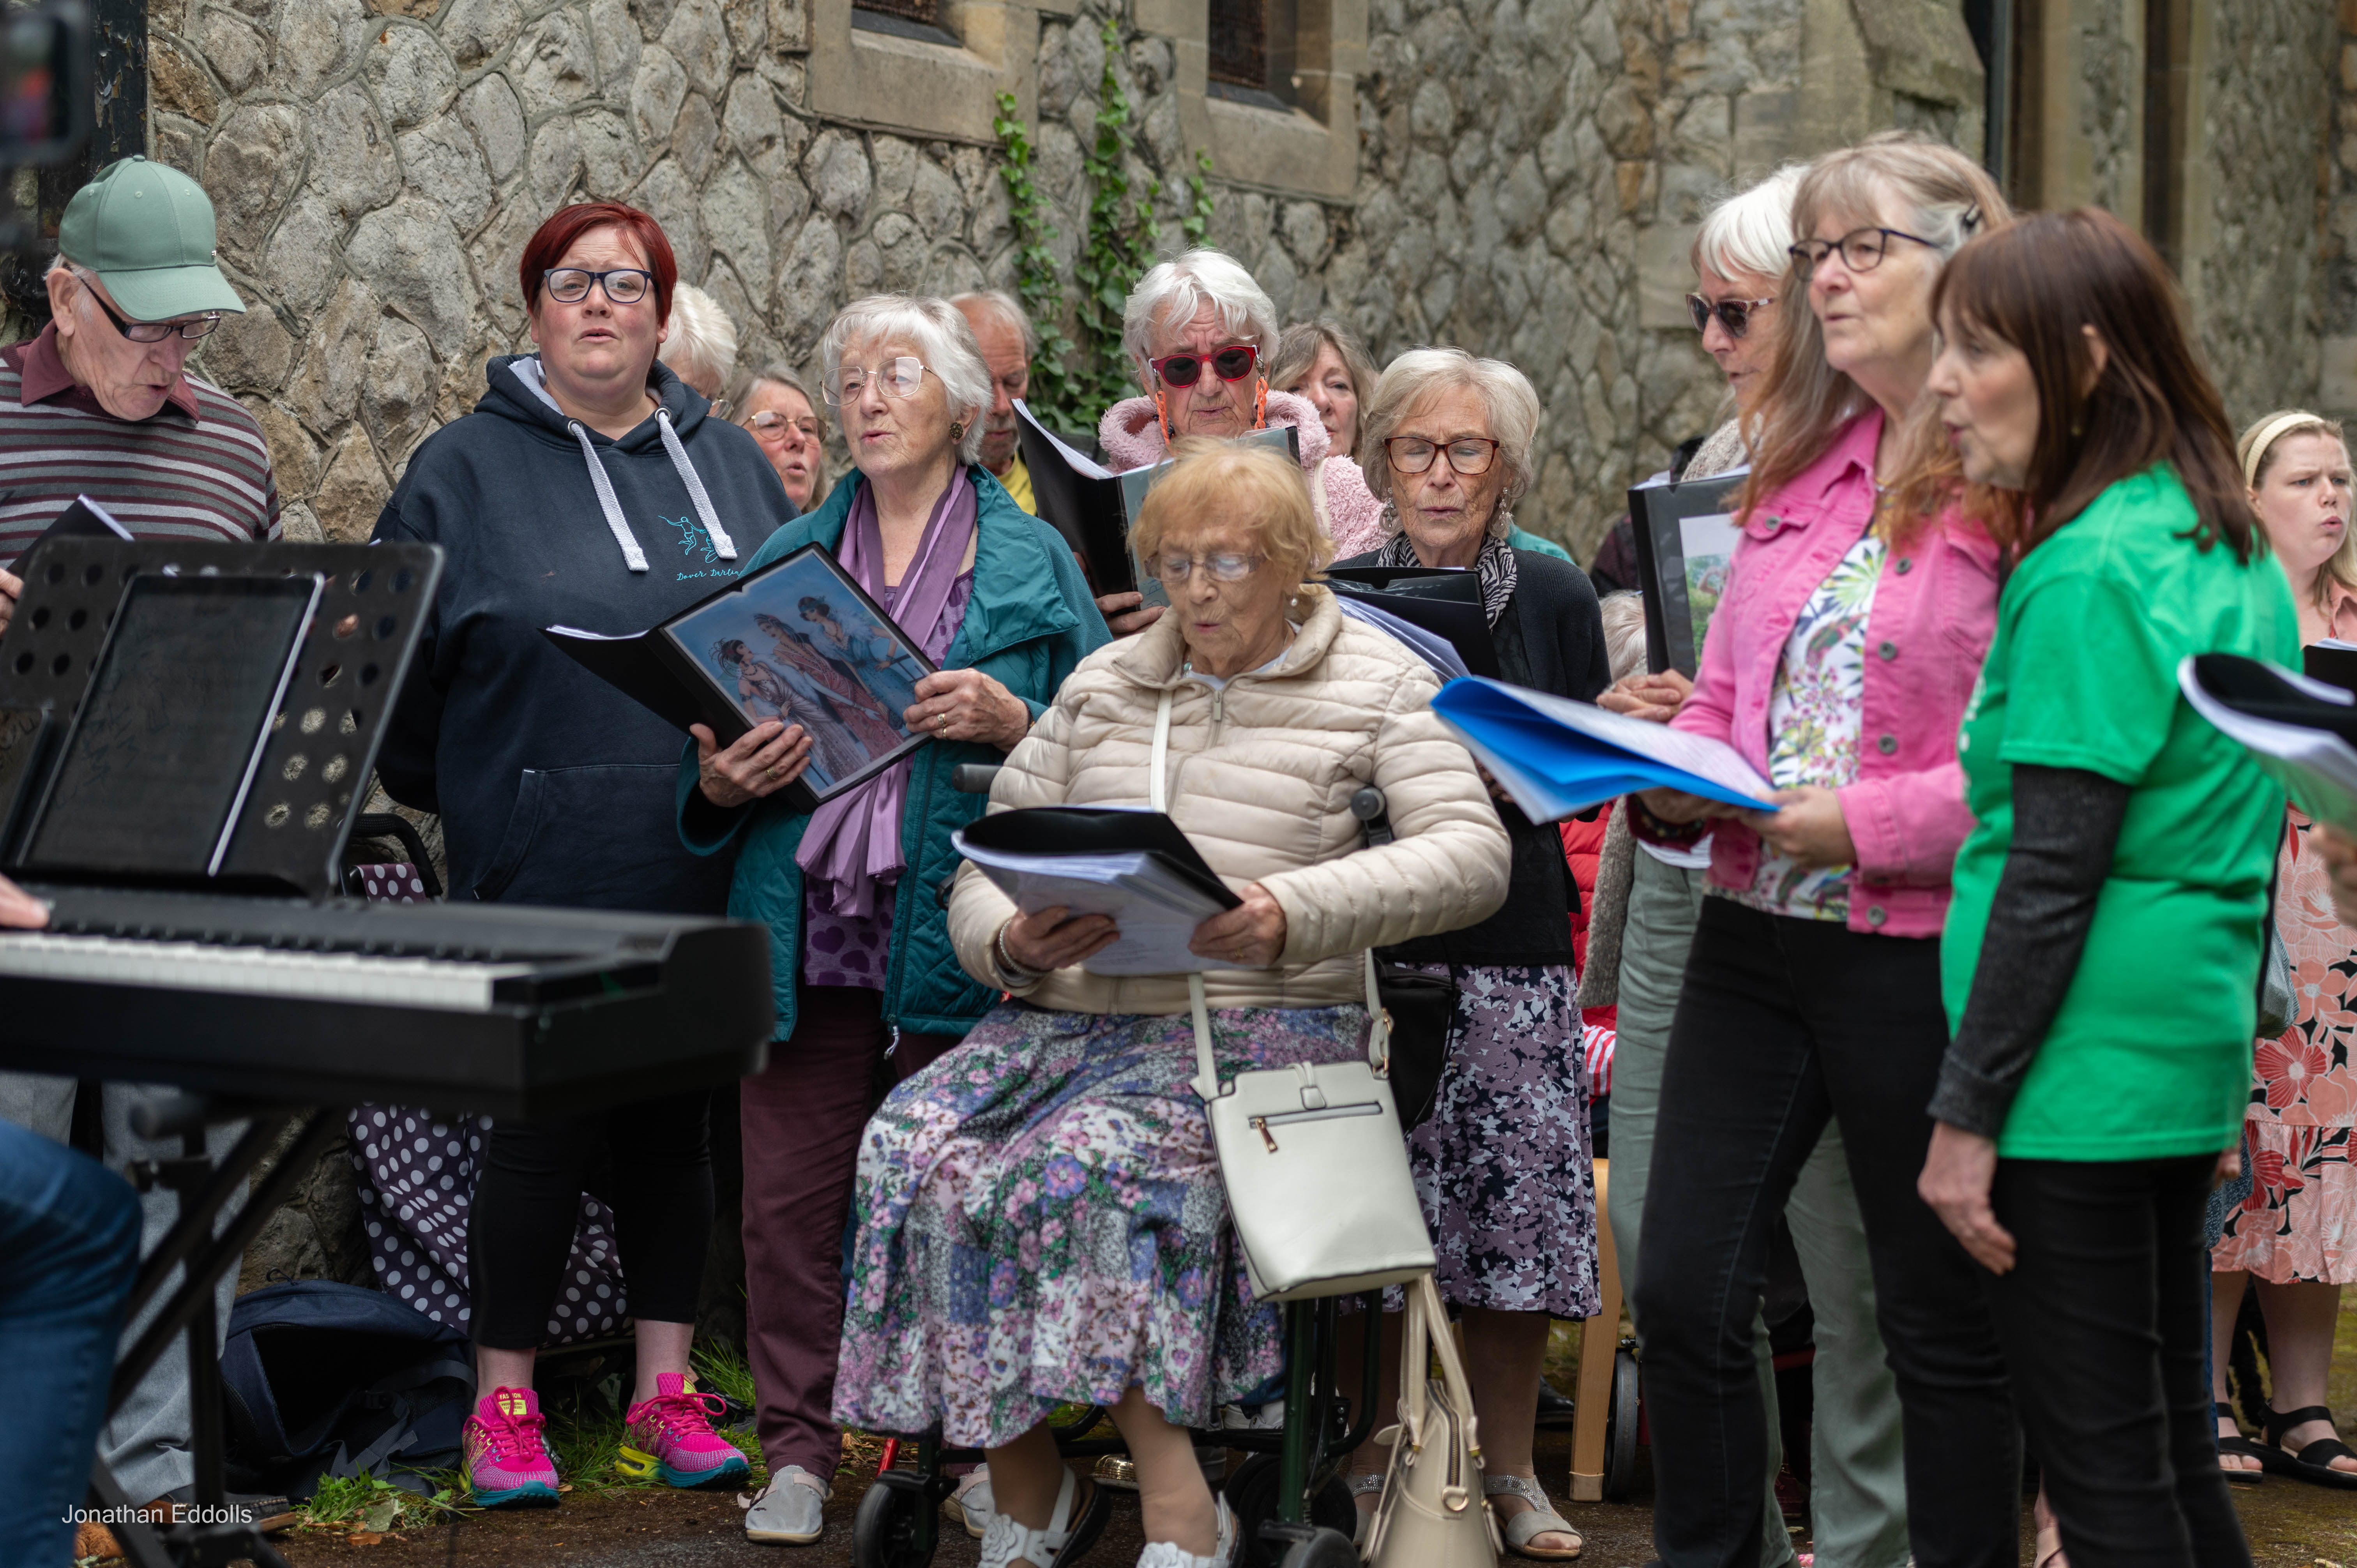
x=2066, y=824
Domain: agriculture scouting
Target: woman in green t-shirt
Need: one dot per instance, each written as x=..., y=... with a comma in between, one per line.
x=2100, y=956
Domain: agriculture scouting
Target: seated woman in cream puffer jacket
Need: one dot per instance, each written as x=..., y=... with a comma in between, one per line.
x=1041, y=1219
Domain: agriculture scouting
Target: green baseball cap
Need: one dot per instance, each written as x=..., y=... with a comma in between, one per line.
x=146, y=229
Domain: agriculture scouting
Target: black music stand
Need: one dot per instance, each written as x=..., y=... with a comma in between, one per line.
x=302, y=764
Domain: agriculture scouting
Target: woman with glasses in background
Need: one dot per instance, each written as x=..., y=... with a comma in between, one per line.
x=1838, y=665
x=1200, y=331
x=852, y=892
x=777, y=409
x=1503, y=1165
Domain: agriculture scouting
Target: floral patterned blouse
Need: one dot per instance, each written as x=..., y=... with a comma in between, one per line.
x=1815, y=708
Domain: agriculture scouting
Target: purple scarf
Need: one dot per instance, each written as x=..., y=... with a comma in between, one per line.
x=852, y=846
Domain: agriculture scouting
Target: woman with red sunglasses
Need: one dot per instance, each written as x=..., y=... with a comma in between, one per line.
x=1199, y=332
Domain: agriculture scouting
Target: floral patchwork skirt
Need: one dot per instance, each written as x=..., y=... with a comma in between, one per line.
x=1041, y=1223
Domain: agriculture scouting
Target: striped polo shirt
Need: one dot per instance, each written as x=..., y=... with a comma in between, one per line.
x=197, y=468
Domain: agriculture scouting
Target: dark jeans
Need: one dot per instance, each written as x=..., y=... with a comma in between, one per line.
x=520, y=1231
x=1784, y=1023
x=2104, y=1321
x=69, y=1245
x=801, y=1118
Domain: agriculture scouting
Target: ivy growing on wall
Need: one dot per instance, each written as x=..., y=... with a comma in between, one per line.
x=1075, y=379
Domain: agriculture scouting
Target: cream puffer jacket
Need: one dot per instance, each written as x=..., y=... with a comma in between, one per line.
x=1261, y=776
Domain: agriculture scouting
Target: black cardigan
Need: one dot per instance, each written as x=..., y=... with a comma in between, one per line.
x=1551, y=638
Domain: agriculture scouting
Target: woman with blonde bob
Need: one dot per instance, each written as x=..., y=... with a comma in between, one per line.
x=1323, y=361
x=1041, y=1219
x=2287, y=1234
x=1838, y=663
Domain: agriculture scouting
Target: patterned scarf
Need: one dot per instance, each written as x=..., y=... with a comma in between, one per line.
x=1496, y=565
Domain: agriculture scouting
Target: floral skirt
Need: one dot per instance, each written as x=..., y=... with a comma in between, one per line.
x=1503, y=1162
x=2294, y=1226
x=1041, y=1221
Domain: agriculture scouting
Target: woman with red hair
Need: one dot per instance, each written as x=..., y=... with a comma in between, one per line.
x=589, y=487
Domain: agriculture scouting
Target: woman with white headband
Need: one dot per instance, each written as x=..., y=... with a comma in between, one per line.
x=2286, y=1235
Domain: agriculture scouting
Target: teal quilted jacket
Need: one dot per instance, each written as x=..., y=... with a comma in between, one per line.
x=1031, y=621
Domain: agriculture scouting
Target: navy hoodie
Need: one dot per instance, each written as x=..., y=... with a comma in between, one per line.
x=552, y=787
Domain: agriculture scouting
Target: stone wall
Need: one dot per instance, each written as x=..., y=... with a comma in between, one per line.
x=2259, y=282
x=2337, y=378
x=1528, y=168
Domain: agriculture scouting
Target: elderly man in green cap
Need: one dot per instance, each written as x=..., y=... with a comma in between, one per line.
x=101, y=404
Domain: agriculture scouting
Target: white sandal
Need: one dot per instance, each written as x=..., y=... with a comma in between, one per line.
x=1539, y=1518
x=1167, y=1555
x=1004, y=1540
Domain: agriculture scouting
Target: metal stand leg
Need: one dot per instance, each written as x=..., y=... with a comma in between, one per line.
x=210, y=1540
x=1301, y=1365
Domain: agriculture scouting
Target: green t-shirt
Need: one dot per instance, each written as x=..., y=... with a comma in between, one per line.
x=2150, y=1054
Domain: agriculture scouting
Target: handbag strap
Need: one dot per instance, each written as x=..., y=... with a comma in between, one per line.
x=1206, y=1071
x=1452, y=1369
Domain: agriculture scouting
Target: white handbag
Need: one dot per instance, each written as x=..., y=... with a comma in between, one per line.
x=1312, y=1154
x=1433, y=1513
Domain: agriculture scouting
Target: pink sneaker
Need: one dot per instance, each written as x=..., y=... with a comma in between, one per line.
x=506, y=1460
x=671, y=1435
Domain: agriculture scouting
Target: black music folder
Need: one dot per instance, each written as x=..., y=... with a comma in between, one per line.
x=1686, y=544
x=2332, y=661
x=1441, y=601
x=1079, y=498
x=798, y=641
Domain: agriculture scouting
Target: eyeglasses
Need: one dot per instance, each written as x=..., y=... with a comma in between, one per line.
x=151, y=331
x=1862, y=250
x=623, y=285
x=1232, y=363
x=770, y=425
x=897, y=377
x=1735, y=314
x=1469, y=455
x=1173, y=571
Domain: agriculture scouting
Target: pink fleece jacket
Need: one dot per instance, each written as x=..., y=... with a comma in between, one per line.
x=1132, y=438
x=1934, y=613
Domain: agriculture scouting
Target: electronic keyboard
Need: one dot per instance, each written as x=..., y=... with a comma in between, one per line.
x=512, y=1011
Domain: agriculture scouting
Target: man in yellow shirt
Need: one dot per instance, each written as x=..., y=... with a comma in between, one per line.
x=1007, y=340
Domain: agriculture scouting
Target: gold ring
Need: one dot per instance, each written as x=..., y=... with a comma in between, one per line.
x=771, y=771
x=941, y=724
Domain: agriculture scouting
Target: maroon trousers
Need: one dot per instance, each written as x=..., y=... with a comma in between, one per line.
x=801, y=1119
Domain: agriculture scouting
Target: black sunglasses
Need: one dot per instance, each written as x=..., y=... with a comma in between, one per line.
x=1735, y=314
x=1232, y=363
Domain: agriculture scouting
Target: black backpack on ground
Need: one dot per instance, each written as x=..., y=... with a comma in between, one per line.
x=325, y=1380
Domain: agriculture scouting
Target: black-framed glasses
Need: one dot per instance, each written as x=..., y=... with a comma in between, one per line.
x=1469, y=455
x=151, y=331
x=899, y=376
x=623, y=285
x=1174, y=570
x=770, y=425
x=1862, y=250
x=1232, y=363
x=1735, y=314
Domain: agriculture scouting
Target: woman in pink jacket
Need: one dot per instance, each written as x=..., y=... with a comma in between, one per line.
x=1838, y=664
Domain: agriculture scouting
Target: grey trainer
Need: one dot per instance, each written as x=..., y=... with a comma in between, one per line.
x=790, y=1511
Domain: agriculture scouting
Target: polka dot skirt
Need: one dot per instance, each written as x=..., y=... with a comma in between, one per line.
x=417, y=1176
x=396, y=884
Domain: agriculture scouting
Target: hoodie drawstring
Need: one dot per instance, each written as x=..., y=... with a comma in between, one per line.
x=632, y=556
x=687, y=476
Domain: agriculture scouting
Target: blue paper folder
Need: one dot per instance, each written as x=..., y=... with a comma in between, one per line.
x=1558, y=757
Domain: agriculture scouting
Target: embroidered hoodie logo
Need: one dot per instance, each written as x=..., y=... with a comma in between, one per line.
x=694, y=541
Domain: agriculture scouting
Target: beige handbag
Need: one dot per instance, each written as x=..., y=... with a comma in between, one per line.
x=1311, y=1155
x=1433, y=1513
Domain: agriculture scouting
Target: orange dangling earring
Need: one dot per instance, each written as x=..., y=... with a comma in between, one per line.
x=1260, y=406
x=1162, y=416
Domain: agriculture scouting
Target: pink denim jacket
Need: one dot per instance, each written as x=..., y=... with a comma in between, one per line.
x=1934, y=612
